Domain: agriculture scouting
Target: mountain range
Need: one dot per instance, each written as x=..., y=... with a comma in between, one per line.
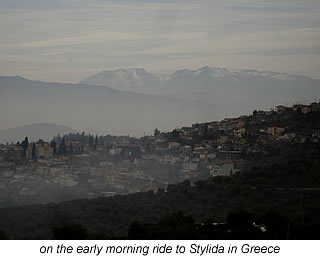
x=134, y=101
x=229, y=89
x=139, y=80
x=94, y=109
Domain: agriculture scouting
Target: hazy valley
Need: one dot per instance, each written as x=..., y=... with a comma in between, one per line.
x=135, y=102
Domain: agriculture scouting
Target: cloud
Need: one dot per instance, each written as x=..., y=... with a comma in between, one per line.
x=93, y=35
x=88, y=38
x=42, y=4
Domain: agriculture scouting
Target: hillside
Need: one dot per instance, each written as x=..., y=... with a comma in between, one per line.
x=229, y=90
x=34, y=132
x=264, y=169
x=93, y=109
x=288, y=190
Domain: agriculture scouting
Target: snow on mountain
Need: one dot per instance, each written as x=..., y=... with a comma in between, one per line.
x=134, y=101
x=139, y=80
x=228, y=89
x=135, y=79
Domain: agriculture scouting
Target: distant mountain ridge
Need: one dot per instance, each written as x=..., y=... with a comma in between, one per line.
x=232, y=91
x=137, y=79
x=34, y=132
x=123, y=79
x=135, y=102
x=93, y=109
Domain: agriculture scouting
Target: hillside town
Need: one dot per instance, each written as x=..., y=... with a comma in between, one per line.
x=86, y=166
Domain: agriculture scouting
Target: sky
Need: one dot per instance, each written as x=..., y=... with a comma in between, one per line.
x=69, y=40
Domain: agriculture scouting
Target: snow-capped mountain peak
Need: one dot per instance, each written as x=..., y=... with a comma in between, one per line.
x=186, y=82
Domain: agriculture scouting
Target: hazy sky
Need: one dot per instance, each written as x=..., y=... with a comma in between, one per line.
x=68, y=40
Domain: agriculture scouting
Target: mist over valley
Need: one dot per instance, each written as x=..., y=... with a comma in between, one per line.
x=135, y=102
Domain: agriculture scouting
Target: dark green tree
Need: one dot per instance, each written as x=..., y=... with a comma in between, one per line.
x=240, y=219
x=205, y=132
x=96, y=142
x=70, y=232
x=53, y=145
x=71, y=149
x=3, y=235
x=25, y=144
x=276, y=224
x=83, y=138
x=156, y=132
x=62, y=148
x=33, y=151
x=91, y=141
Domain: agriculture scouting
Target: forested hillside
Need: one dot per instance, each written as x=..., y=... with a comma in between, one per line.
x=284, y=197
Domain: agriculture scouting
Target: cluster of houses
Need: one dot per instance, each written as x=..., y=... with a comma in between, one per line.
x=126, y=165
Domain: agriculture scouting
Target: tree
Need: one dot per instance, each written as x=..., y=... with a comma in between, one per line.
x=63, y=148
x=53, y=145
x=205, y=132
x=91, y=141
x=240, y=219
x=83, y=139
x=25, y=145
x=276, y=224
x=70, y=232
x=96, y=142
x=58, y=138
x=3, y=235
x=33, y=151
x=156, y=132
x=71, y=149
x=255, y=112
x=174, y=135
